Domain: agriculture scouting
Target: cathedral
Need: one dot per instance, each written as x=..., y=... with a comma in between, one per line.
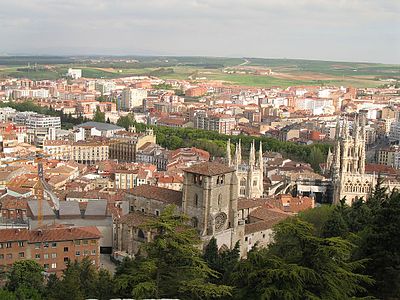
x=346, y=164
x=250, y=174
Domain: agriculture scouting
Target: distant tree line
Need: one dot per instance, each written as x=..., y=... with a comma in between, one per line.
x=330, y=252
x=215, y=143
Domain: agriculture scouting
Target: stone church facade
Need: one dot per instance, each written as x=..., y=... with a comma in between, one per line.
x=210, y=198
x=347, y=164
x=250, y=174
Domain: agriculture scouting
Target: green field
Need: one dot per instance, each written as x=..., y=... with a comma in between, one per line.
x=231, y=71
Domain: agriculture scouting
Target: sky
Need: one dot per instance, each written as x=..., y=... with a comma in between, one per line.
x=339, y=30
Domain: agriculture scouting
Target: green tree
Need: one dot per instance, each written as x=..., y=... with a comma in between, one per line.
x=316, y=157
x=300, y=265
x=381, y=248
x=126, y=121
x=335, y=225
x=173, y=265
x=104, y=285
x=99, y=116
x=7, y=295
x=26, y=276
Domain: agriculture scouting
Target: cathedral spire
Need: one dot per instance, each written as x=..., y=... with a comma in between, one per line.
x=345, y=131
x=240, y=152
x=261, y=165
x=252, y=157
x=362, y=144
x=228, y=153
x=260, y=158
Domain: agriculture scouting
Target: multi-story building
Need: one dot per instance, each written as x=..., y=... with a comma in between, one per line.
x=389, y=156
x=130, y=177
x=84, y=152
x=132, y=98
x=74, y=73
x=220, y=123
x=52, y=247
x=33, y=120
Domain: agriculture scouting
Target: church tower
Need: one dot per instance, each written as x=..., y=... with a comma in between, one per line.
x=210, y=198
x=347, y=166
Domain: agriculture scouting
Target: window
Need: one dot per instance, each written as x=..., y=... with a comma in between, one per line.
x=66, y=259
x=20, y=243
x=53, y=255
x=65, y=249
x=9, y=256
x=1, y=256
x=37, y=256
x=78, y=253
x=1, y=246
x=46, y=266
x=264, y=236
x=246, y=239
x=142, y=209
x=93, y=252
x=46, y=245
x=8, y=245
x=157, y=212
x=37, y=245
x=54, y=244
x=196, y=200
x=53, y=265
x=219, y=200
x=77, y=242
x=85, y=242
x=46, y=256
x=93, y=242
x=21, y=254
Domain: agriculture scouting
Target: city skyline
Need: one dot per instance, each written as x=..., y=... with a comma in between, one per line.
x=362, y=31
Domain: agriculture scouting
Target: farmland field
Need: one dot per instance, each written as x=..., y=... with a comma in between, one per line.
x=256, y=72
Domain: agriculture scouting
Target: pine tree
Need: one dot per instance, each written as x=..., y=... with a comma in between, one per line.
x=173, y=265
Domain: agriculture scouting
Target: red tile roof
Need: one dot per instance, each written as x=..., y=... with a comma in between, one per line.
x=157, y=193
x=50, y=234
x=209, y=169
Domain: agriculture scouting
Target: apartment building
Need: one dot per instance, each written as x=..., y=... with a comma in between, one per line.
x=132, y=98
x=33, y=120
x=220, y=123
x=84, y=152
x=52, y=246
x=389, y=156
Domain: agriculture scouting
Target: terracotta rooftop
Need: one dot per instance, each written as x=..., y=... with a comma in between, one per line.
x=158, y=193
x=51, y=234
x=135, y=219
x=209, y=169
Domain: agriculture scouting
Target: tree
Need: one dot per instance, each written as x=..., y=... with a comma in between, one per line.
x=335, y=225
x=173, y=265
x=126, y=121
x=7, y=295
x=26, y=276
x=99, y=116
x=104, y=285
x=316, y=157
x=299, y=265
x=381, y=248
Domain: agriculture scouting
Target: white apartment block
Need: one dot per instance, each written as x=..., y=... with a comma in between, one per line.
x=132, y=98
x=74, y=73
x=34, y=120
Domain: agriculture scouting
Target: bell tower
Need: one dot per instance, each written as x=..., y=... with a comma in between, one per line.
x=210, y=197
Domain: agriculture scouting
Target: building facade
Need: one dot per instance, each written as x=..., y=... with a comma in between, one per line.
x=52, y=247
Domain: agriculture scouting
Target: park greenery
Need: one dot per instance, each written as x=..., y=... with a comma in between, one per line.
x=330, y=252
x=215, y=143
